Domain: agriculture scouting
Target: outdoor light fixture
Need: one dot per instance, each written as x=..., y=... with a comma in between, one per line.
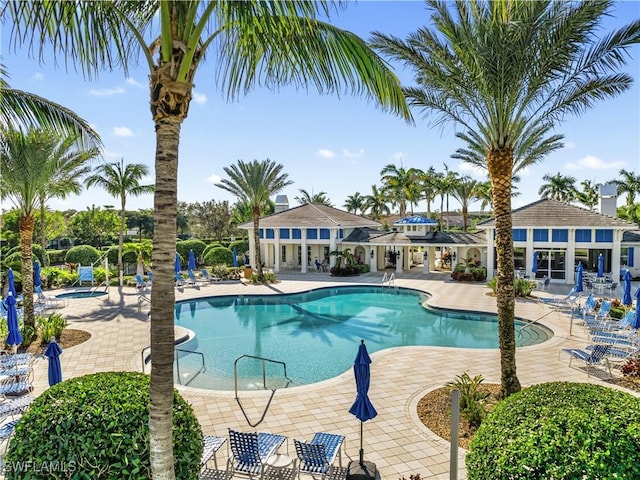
x=453, y=256
x=372, y=254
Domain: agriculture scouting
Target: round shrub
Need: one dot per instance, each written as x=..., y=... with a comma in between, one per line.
x=242, y=246
x=183, y=247
x=558, y=430
x=83, y=254
x=210, y=247
x=96, y=427
x=218, y=256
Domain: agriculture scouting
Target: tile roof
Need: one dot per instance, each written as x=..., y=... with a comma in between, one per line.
x=552, y=213
x=362, y=235
x=313, y=215
x=415, y=220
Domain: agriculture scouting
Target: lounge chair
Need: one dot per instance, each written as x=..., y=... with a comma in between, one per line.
x=205, y=275
x=616, y=327
x=179, y=280
x=319, y=455
x=212, y=444
x=597, y=355
x=191, y=278
x=48, y=302
x=15, y=406
x=250, y=451
x=149, y=279
x=140, y=283
x=570, y=301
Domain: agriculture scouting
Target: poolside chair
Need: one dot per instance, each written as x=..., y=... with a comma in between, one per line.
x=191, y=278
x=570, y=301
x=149, y=279
x=212, y=444
x=179, y=280
x=205, y=275
x=600, y=327
x=250, y=451
x=319, y=455
x=10, y=407
x=6, y=431
x=140, y=283
x=592, y=357
x=47, y=302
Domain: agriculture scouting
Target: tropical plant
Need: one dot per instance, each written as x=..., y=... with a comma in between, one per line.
x=355, y=203
x=305, y=198
x=465, y=190
x=218, y=256
x=82, y=254
x=271, y=43
x=253, y=183
x=401, y=186
x=628, y=183
x=94, y=226
x=120, y=181
x=472, y=397
x=588, y=196
x=376, y=203
x=501, y=70
x=50, y=326
x=558, y=187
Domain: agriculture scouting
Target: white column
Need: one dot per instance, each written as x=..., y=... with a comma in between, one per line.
x=528, y=264
x=570, y=258
x=399, y=259
x=333, y=246
x=276, y=253
x=615, y=255
x=373, y=260
x=252, y=248
x=305, y=258
x=490, y=253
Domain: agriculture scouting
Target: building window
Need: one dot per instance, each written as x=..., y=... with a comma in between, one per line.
x=540, y=235
x=261, y=233
x=284, y=233
x=583, y=235
x=325, y=234
x=341, y=233
x=604, y=236
x=519, y=234
x=297, y=234
x=560, y=235
x=312, y=233
x=270, y=233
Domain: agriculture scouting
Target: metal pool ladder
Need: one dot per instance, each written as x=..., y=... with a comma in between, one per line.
x=389, y=280
x=264, y=383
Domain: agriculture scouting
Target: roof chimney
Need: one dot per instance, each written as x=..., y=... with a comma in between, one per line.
x=608, y=199
x=281, y=204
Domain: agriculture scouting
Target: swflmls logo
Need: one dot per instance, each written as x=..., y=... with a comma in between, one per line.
x=39, y=467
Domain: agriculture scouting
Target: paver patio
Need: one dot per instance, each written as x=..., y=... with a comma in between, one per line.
x=396, y=441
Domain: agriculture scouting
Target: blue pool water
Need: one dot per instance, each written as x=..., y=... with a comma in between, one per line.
x=81, y=294
x=317, y=333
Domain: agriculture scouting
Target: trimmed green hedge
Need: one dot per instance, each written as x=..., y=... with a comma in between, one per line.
x=183, y=247
x=218, y=256
x=96, y=427
x=83, y=254
x=559, y=430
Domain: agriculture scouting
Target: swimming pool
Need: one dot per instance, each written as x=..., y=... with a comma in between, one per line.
x=82, y=294
x=317, y=333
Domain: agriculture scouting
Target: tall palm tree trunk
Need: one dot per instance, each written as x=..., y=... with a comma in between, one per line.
x=500, y=165
x=121, y=241
x=26, y=225
x=163, y=299
x=465, y=217
x=256, y=238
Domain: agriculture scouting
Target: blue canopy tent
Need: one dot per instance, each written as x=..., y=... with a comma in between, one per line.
x=53, y=352
x=362, y=408
x=626, y=296
x=191, y=265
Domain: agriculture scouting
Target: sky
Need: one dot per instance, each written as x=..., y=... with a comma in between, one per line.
x=331, y=144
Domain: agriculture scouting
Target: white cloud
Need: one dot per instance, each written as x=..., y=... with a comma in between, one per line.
x=326, y=153
x=569, y=145
x=135, y=83
x=593, y=163
x=122, y=132
x=38, y=76
x=349, y=154
x=106, y=92
x=199, y=98
x=213, y=178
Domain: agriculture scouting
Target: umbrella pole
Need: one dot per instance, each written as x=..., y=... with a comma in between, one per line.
x=361, y=446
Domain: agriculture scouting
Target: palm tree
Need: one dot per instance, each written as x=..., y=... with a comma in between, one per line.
x=251, y=43
x=558, y=187
x=588, y=196
x=253, y=183
x=32, y=111
x=121, y=181
x=401, y=186
x=27, y=167
x=449, y=182
x=426, y=180
x=629, y=183
x=71, y=166
x=376, y=203
x=305, y=198
x=465, y=190
x=355, y=202
x=499, y=70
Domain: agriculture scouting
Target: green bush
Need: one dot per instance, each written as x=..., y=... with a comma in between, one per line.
x=242, y=246
x=97, y=426
x=129, y=254
x=13, y=257
x=83, y=254
x=493, y=284
x=522, y=286
x=208, y=248
x=56, y=257
x=55, y=277
x=183, y=247
x=559, y=430
x=50, y=326
x=472, y=399
x=218, y=256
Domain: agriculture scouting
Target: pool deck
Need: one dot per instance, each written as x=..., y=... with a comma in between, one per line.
x=396, y=441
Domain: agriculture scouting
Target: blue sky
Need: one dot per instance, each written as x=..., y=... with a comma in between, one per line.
x=325, y=143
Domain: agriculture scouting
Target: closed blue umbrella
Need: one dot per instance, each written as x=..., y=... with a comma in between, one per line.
x=626, y=296
x=177, y=266
x=11, y=283
x=53, y=352
x=37, y=282
x=192, y=260
x=362, y=407
x=235, y=257
x=600, y=265
x=636, y=321
x=578, y=286
x=534, y=268
x=14, y=338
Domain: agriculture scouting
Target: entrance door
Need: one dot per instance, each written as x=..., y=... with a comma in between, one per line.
x=552, y=264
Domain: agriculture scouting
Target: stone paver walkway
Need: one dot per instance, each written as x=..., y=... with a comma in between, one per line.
x=396, y=441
